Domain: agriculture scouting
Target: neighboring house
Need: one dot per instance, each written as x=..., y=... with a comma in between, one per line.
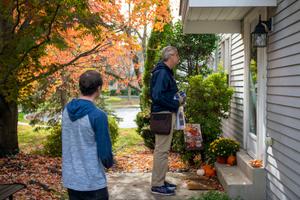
x=265, y=108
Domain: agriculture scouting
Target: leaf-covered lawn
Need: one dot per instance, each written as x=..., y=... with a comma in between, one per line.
x=42, y=174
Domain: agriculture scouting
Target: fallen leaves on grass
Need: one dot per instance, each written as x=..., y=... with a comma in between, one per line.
x=41, y=175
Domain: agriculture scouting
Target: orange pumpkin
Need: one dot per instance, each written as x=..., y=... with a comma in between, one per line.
x=209, y=170
x=231, y=160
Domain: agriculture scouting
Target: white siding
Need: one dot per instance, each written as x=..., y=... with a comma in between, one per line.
x=233, y=126
x=283, y=103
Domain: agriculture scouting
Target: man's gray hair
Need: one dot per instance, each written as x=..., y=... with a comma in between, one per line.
x=167, y=52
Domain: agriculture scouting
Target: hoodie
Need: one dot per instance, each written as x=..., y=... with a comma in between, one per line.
x=163, y=89
x=86, y=146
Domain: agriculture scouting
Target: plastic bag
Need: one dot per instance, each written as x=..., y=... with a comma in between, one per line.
x=180, y=120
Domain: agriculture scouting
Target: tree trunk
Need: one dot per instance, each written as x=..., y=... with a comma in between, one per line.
x=8, y=128
x=129, y=93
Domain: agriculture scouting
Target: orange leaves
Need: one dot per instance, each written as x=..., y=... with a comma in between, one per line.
x=256, y=163
x=142, y=161
x=42, y=176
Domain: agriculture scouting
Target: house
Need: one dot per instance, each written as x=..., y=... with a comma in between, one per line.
x=265, y=108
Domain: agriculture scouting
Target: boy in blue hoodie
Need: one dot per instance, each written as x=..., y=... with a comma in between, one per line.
x=86, y=145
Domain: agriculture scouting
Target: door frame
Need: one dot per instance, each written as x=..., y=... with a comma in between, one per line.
x=258, y=141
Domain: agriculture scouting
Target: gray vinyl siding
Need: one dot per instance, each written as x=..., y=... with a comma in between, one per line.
x=283, y=103
x=233, y=126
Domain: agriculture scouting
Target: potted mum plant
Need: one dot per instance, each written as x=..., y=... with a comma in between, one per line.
x=224, y=150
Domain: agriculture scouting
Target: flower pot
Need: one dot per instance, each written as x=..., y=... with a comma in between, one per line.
x=231, y=160
x=222, y=159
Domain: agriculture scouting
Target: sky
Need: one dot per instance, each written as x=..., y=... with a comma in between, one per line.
x=175, y=9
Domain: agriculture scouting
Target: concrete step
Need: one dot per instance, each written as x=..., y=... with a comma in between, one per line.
x=242, y=180
x=254, y=174
x=234, y=181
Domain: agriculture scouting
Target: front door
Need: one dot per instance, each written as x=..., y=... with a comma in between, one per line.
x=255, y=91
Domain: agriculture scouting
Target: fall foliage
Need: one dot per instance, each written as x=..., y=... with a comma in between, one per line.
x=49, y=43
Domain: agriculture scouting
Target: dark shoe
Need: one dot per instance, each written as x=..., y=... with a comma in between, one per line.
x=170, y=186
x=162, y=190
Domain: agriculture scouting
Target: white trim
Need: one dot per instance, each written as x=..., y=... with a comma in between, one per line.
x=233, y=26
x=261, y=146
x=247, y=44
x=231, y=3
x=260, y=149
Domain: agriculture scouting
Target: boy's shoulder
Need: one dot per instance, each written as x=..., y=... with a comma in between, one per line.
x=98, y=113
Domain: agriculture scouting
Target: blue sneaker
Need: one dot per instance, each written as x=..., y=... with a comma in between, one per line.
x=170, y=186
x=162, y=190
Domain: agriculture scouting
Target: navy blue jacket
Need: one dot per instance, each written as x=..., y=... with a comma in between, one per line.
x=163, y=89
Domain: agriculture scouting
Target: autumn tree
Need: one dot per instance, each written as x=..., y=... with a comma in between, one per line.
x=27, y=28
x=140, y=15
x=116, y=62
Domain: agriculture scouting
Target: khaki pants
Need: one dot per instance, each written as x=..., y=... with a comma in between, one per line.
x=160, y=156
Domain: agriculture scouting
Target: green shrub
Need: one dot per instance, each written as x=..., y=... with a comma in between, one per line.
x=208, y=101
x=123, y=92
x=113, y=129
x=143, y=129
x=53, y=146
x=213, y=195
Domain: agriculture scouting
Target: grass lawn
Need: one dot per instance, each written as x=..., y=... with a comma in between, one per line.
x=31, y=141
x=128, y=141
x=21, y=118
x=116, y=102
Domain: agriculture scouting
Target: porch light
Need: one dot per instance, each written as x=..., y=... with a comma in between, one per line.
x=260, y=35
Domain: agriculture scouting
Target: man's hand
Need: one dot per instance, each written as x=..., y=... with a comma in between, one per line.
x=182, y=97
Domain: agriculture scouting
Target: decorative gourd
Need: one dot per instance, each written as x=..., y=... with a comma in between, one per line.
x=200, y=172
x=231, y=160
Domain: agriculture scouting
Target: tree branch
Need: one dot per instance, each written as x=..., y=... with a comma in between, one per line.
x=120, y=78
x=54, y=67
x=18, y=18
x=47, y=39
x=137, y=32
x=9, y=71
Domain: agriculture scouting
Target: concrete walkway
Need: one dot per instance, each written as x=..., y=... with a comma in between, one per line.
x=136, y=186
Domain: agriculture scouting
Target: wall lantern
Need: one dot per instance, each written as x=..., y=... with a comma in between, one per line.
x=260, y=35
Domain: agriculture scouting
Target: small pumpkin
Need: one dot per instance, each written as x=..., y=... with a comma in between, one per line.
x=231, y=160
x=209, y=170
x=200, y=172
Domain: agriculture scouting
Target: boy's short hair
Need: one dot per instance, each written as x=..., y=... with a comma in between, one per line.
x=89, y=82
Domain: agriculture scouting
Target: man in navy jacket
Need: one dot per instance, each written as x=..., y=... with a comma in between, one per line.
x=86, y=145
x=163, y=90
